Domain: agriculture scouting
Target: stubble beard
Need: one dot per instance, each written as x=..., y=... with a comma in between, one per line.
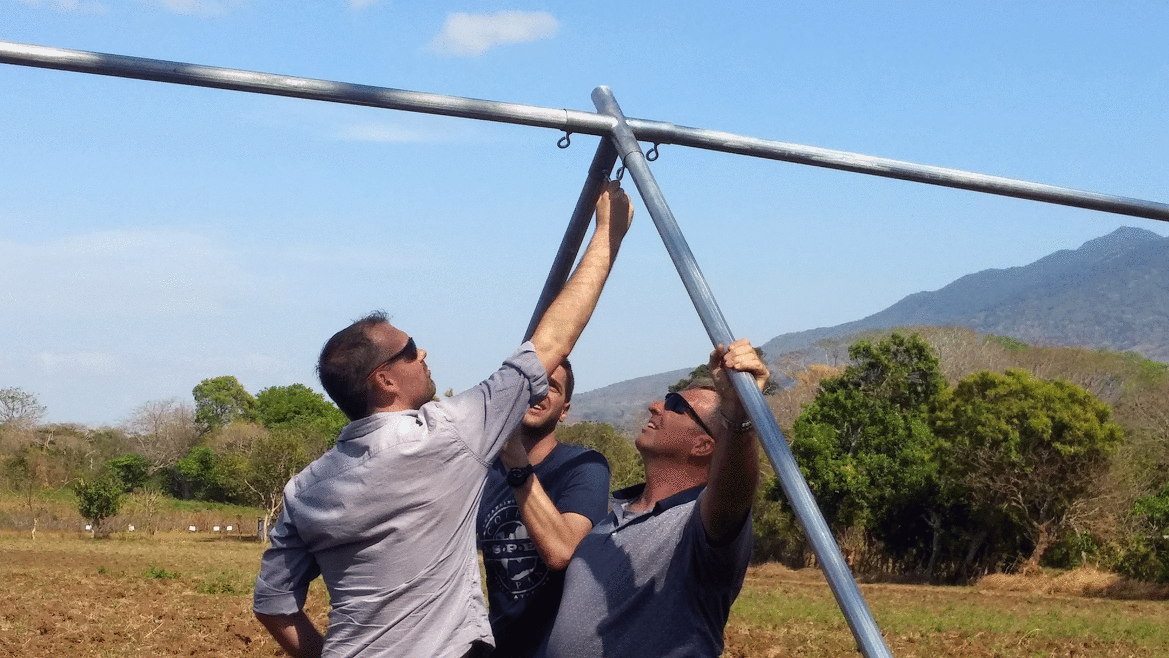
x=541, y=430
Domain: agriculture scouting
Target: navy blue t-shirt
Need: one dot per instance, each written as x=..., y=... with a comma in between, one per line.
x=524, y=594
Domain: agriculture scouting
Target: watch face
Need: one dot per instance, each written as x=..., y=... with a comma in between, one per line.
x=518, y=476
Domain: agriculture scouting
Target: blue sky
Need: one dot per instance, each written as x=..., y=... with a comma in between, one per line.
x=155, y=235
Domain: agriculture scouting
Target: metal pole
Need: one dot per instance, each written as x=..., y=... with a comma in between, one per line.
x=848, y=596
x=599, y=170
x=567, y=120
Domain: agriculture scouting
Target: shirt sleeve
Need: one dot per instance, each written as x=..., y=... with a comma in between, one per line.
x=486, y=415
x=286, y=570
x=725, y=560
x=586, y=487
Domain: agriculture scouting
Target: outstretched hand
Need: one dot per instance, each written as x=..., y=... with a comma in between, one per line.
x=614, y=211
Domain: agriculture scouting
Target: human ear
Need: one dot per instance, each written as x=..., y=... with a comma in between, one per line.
x=703, y=447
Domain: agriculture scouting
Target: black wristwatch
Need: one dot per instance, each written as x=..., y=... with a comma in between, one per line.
x=516, y=477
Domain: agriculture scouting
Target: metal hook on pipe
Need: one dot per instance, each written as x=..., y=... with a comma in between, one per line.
x=652, y=154
x=620, y=173
x=566, y=141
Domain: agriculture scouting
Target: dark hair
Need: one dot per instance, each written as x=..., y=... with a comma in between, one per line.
x=569, y=380
x=345, y=363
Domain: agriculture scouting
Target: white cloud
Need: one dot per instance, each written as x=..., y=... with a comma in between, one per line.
x=471, y=35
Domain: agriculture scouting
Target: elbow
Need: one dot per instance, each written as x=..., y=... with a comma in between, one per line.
x=559, y=563
x=558, y=559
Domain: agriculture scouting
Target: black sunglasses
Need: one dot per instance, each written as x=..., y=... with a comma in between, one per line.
x=409, y=352
x=676, y=403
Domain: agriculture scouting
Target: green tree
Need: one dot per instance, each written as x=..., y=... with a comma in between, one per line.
x=299, y=406
x=865, y=447
x=133, y=470
x=1148, y=559
x=625, y=466
x=220, y=401
x=273, y=461
x=903, y=371
x=196, y=476
x=98, y=499
x=1025, y=450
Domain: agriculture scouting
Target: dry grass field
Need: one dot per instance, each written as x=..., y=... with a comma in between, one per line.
x=184, y=594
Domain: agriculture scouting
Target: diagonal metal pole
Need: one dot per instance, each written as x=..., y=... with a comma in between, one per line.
x=590, y=123
x=578, y=225
x=848, y=596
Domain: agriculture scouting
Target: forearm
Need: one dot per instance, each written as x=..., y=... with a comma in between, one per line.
x=555, y=534
x=567, y=315
x=295, y=633
x=734, y=466
x=731, y=484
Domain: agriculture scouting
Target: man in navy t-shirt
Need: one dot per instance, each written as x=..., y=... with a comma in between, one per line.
x=541, y=498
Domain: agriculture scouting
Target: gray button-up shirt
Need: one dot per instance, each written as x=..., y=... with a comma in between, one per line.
x=387, y=519
x=649, y=583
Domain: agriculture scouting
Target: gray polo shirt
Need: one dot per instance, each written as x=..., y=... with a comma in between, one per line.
x=649, y=584
x=387, y=519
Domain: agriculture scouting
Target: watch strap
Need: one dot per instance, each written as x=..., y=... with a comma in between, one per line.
x=737, y=428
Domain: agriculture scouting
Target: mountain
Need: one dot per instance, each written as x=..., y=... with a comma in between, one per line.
x=623, y=405
x=1111, y=293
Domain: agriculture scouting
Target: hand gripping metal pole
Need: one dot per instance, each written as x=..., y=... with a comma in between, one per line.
x=848, y=596
x=582, y=215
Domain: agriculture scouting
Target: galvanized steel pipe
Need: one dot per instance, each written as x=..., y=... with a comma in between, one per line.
x=848, y=596
x=561, y=119
x=578, y=225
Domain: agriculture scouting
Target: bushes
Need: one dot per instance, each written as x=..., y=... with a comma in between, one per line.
x=98, y=499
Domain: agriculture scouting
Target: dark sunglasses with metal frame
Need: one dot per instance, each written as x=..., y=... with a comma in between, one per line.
x=676, y=403
x=409, y=352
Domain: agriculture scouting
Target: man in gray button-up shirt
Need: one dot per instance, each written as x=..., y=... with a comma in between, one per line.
x=387, y=517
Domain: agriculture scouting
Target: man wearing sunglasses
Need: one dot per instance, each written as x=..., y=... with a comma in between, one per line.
x=658, y=575
x=387, y=517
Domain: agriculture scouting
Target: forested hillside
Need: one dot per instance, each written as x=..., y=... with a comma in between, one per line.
x=1111, y=293
x=939, y=453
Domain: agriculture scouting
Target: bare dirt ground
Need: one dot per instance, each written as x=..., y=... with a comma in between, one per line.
x=190, y=595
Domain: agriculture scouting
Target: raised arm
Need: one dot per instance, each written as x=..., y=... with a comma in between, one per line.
x=734, y=466
x=567, y=315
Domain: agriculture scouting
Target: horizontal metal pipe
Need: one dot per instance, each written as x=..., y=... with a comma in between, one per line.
x=844, y=588
x=196, y=75
x=562, y=119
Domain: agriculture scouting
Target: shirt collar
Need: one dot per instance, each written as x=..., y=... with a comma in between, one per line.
x=627, y=495
x=364, y=426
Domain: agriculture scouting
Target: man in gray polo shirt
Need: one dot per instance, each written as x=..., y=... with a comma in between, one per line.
x=658, y=575
x=387, y=517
